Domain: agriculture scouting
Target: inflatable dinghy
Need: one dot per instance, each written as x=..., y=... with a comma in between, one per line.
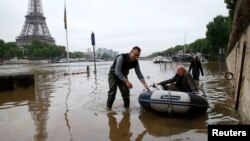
x=173, y=101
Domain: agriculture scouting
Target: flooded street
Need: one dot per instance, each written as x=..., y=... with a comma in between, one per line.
x=73, y=107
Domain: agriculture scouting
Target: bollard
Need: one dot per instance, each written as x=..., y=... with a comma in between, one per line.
x=87, y=68
x=87, y=71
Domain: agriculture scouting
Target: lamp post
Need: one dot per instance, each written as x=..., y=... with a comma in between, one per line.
x=93, y=43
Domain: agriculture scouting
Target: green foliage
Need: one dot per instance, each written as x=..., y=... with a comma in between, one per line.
x=9, y=50
x=230, y=4
x=1, y=42
x=1, y=48
x=218, y=33
x=200, y=45
x=169, y=52
x=77, y=54
x=36, y=49
x=44, y=50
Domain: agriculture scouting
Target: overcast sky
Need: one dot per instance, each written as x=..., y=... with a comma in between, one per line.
x=153, y=25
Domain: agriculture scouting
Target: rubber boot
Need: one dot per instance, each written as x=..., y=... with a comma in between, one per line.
x=196, y=83
x=110, y=102
x=126, y=102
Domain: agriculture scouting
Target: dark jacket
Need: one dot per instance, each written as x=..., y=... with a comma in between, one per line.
x=126, y=65
x=196, y=67
x=184, y=83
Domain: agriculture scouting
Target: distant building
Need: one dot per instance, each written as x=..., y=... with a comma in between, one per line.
x=110, y=52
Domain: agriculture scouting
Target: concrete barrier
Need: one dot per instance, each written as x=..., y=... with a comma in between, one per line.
x=10, y=82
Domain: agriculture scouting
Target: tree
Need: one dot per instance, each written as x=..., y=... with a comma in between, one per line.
x=200, y=45
x=218, y=33
x=231, y=4
x=1, y=48
x=9, y=50
x=79, y=54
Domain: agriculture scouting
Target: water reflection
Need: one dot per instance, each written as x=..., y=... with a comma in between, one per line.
x=119, y=131
x=220, y=95
x=141, y=135
x=37, y=100
x=163, y=125
x=39, y=109
x=67, y=109
x=215, y=68
x=19, y=97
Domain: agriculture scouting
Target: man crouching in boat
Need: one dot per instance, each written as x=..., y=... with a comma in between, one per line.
x=182, y=81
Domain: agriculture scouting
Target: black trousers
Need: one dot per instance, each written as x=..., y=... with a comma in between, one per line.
x=196, y=75
x=115, y=82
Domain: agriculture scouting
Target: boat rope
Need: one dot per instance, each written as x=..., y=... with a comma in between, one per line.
x=169, y=108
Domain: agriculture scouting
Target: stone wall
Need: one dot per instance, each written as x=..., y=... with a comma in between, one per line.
x=234, y=62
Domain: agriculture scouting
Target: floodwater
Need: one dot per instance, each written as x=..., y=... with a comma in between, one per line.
x=73, y=107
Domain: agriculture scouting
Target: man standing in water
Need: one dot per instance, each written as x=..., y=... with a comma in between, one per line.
x=196, y=68
x=118, y=76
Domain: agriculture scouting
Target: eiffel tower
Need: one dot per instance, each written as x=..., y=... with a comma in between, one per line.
x=35, y=27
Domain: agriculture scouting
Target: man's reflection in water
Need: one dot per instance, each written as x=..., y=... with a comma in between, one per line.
x=119, y=132
x=140, y=136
